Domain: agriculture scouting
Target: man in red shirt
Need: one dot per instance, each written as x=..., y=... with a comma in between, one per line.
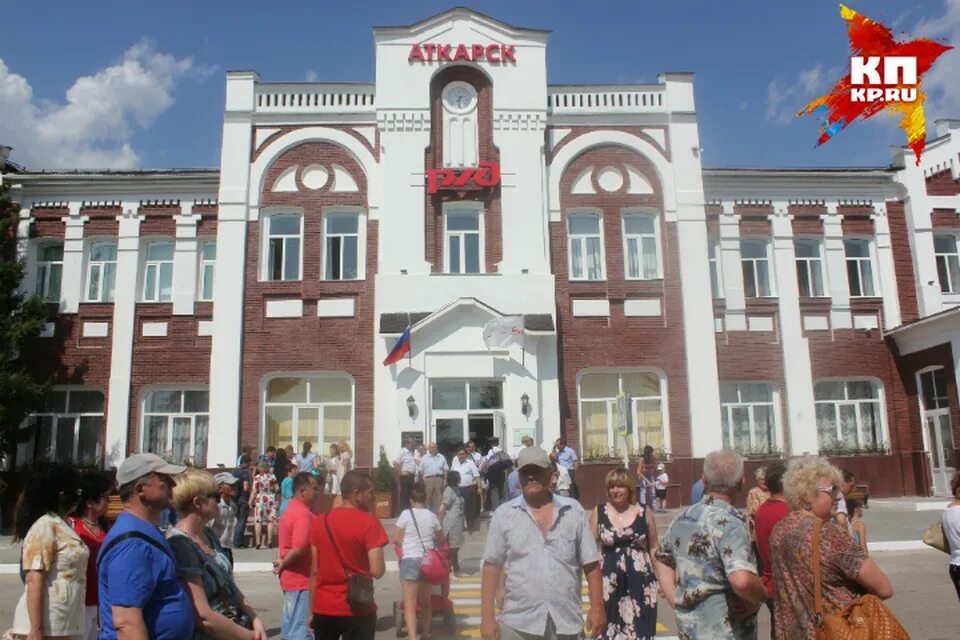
x=356, y=548
x=770, y=513
x=293, y=559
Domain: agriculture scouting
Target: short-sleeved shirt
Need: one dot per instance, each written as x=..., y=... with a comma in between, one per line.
x=243, y=475
x=93, y=541
x=516, y=543
x=295, y=534
x=567, y=457
x=841, y=560
x=415, y=546
x=135, y=574
x=406, y=461
x=304, y=463
x=214, y=571
x=356, y=533
x=768, y=514
x=52, y=547
x=513, y=485
x=226, y=523
x=705, y=543
x=433, y=466
x=468, y=471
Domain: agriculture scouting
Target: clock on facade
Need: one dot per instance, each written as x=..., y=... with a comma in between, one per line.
x=459, y=97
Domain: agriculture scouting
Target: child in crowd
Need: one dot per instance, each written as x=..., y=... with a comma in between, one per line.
x=855, y=524
x=660, y=488
x=451, y=518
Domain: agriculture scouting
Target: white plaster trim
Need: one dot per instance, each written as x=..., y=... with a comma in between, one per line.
x=343, y=181
x=154, y=329
x=639, y=185
x=336, y=308
x=718, y=325
x=261, y=134
x=96, y=329
x=284, y=309
x=556, y=135
x=286, y=182
x=759, y=323
x=816, y=323
x=369, y=134
x=583, y=185
x=590, y=308
x=865, y=322
x=205, y=328
x=643, y=307
x=659, y=137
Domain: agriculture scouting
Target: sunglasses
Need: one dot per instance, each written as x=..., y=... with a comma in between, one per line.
x=832, y=491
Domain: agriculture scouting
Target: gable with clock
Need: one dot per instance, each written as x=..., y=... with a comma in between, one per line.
x=460, y=128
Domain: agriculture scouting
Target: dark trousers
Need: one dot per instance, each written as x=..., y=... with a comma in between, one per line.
x=495, y=494
x=344, y=627
x=574, y=491
x=243, y=514
x=406, y=484
x=773, y=621
x=455, y=560
x=229, y=554
x=955, y=576
x=470, y=505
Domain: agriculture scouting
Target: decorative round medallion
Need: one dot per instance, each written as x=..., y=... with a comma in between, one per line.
x=610, y=179
x=459, y=97
x=314, y=176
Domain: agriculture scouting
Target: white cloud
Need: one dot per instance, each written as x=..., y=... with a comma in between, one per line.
x=785, y=99
x=94, y=126
x=942, y=82
x=311, y=76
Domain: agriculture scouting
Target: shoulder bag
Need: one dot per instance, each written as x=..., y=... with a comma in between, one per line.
x=435, y=568
x=936, y=537
x=359, y=587
x=866, y=619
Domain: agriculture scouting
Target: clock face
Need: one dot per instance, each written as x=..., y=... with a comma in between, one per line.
x=460, y=97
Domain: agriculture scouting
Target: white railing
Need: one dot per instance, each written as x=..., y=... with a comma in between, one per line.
x=606, y=99
x=315, y=98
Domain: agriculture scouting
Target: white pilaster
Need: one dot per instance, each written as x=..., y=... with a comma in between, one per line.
x=885, y=267
x=71, y=290
x=228, y=280
x=736, y=315
x=121, y=332
x=798, y=372
x=836, y=261
x=918, y=212
x=29, y=283
x=402, y=218
x=185, y=261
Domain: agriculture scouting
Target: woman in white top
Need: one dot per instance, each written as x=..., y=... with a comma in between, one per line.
x=53, y=558
x=416, y=532
x=951, y=530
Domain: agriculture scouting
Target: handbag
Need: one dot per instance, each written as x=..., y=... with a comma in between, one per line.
x=936, y=537
x=435, y=568
x=866, y=619
x=359, y=587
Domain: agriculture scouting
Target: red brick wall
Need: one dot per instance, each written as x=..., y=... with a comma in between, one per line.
x=942, y=184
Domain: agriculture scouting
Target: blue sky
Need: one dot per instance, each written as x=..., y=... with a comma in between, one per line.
x=141, y=84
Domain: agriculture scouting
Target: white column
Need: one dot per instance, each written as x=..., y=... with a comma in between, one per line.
x=71, y=290
x=836, y=261
x=885, y=267
x=918, y=213
x=402, y=217
x=185, y=261
x=121, y=333
x=736, y=315
x=798, y=372
x=226, y=352
x=29, y=283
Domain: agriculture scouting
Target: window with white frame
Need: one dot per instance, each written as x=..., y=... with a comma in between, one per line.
x=611, y=400
x=49, y=270
x=849, y=415
x=464, y=248
x=809, y=267
x=640, y=246
x=933, y=385
x=716, y=269
x=208, y=262
x=948, y=262
x=585, y=246
x=755, y=262
x=859, y=267
x=69, y=429
x=158, y=271
x=341, y=245
x=176, y=424
x=283, y=234
x=316, y=409
x=101, y=271
x=748, y=417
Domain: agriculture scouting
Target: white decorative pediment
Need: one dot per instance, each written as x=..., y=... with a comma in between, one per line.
x=556, y=135
x=287, y=182
x=261, y=135
x=583, y=185
x=658, y=136
x=343, y=181
x=368, y=133
x=639, y=185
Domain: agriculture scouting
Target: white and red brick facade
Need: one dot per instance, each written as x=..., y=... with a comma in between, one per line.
x=780, y=311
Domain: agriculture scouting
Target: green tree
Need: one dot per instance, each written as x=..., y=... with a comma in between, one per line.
x=21, y=321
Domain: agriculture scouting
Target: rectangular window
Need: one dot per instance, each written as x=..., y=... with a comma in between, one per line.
x=612, y=403
x=175, y=425
x=948, y=262
x=158, y=272
x=49, y=271
x=716, y=274
x=859, y=268
x=341, y=245
x=748, y=417
x=848, y=415
x=463, y=241
x=101, y=271
x=68, y=430
x=585, y=247
x=283, y=246
x=208, y=261
x=755, y=261
x=317, y=410
x=640, y=239
x=809, y=267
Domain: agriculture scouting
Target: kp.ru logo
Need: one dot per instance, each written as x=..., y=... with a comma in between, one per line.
x=885, y=75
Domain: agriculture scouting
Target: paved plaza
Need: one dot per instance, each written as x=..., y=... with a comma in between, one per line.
x=925, y=600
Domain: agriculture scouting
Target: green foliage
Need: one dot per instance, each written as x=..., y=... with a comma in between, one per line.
x=383, y=479
x=21, y=321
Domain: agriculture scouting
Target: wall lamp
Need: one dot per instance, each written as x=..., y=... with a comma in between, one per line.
x=525, y=405
x=411, y=406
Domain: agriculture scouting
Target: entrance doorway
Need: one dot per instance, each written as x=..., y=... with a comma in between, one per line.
x=463, y=410
x=938, y=429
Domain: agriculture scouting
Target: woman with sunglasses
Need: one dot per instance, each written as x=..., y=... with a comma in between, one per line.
x=811, y=487
x=221, y=611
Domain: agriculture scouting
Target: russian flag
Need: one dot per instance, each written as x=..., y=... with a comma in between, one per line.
x=400, y=349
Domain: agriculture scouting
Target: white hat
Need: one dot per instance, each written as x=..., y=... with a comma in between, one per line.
x=142, y=464
x=661, y=466
x=225, y=478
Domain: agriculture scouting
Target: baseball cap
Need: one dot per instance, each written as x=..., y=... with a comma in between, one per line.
x=225, y=478
x=533, y=456
x=661, y=466
x=141, y=464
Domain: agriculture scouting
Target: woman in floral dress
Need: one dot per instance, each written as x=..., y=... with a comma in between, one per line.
x=627, y=535
x=264, y=503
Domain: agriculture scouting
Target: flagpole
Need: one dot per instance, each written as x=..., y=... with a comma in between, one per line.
x=410, y=350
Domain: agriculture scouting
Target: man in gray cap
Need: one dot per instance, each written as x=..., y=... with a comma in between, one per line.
x=140, y=593
x=544, y=535
x=226, y=524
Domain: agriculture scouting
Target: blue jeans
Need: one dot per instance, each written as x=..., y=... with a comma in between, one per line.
x=294, y=616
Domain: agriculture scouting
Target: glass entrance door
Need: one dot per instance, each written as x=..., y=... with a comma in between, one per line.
x=940, y=433
x=462, y=410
